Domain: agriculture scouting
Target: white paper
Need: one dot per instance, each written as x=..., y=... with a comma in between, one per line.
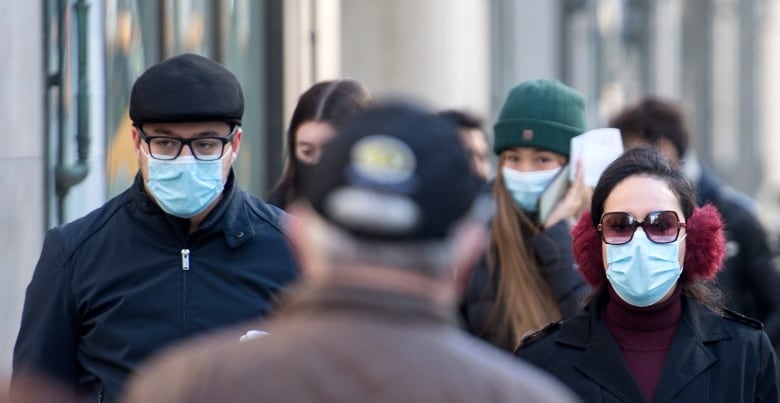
x=596, y=148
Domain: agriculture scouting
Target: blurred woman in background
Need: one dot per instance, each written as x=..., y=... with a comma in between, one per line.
x=318, y=115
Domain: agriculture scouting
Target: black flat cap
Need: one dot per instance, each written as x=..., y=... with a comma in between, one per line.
x=186, y=88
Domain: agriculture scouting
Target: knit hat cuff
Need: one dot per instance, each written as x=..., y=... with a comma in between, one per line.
x=542, y=134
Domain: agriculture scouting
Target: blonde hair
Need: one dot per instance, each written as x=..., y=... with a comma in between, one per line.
x=524, y=300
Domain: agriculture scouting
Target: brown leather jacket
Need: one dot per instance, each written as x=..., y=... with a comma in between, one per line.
x=341, y=344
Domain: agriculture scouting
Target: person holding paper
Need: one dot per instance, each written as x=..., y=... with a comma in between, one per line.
x=527, y=279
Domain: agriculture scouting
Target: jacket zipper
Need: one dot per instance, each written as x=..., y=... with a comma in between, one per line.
x=185, y=259
x=185, y=267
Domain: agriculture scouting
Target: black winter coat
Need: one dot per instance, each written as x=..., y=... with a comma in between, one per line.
x=750, y=277
x=552, y=248
x=114, y=287
x=713, y=359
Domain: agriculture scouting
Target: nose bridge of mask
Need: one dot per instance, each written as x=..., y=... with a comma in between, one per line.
x=630, y=250
x=530, y=175
x=533, y=182
x=641, y=247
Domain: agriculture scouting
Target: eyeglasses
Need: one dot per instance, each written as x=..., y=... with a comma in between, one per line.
x=618, y=228
x=202, y=148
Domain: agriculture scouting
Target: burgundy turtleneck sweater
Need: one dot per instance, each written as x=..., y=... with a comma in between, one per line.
x=644, y=336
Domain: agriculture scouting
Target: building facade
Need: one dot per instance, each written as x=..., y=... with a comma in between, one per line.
x=70, y=64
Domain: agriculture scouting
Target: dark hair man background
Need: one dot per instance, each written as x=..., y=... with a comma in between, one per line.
x=472, y=134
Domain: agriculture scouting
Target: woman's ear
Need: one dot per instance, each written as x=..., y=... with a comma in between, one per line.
x=705, y=244
x=586, y=246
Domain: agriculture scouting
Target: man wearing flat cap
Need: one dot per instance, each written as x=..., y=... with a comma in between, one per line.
x=182, y=252
x=391, y=223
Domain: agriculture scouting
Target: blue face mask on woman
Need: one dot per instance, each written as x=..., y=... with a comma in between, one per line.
x=642, y=272
x=526, y=187
x=185, y=186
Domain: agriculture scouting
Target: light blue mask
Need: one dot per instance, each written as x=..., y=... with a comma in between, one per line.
x=184, y=187
x=642, y=272
x=526, y=187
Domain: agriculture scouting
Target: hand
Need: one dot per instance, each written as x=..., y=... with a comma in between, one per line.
x=574, y=202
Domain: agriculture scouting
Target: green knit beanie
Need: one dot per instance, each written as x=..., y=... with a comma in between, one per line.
x=541, y=113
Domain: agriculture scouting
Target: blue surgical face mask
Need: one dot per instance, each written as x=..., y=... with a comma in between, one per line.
x=642, y=272
x=526, y=187
x=185, y=186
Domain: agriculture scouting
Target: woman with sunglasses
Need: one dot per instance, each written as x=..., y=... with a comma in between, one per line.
x=655, y=329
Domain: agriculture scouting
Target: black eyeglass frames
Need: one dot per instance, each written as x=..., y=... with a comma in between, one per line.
x=207, y=148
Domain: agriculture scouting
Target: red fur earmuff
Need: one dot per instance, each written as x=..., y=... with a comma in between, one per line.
x=705, y=246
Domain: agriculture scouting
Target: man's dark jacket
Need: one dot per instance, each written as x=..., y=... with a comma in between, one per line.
x=114, y=287
x=713, y=358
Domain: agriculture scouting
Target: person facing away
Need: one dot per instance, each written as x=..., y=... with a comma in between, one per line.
x=750, y=277
x=36, y=389
x=528, y=278
x=655, y=329
x=320, y=112
x=474, y=139
x=183, y=251
x=382, y=244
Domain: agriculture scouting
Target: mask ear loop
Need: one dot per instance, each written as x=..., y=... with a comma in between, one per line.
x=705, y=245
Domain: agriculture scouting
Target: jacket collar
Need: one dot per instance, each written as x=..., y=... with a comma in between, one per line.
x=354, y=300
x=602, y=361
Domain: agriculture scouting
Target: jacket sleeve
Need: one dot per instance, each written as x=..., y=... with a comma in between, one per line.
x=478, y=300
x=768, y=382
x=48, y=335
x=553, y=248
x=759, y=271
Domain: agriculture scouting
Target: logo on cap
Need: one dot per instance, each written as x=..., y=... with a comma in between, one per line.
x=381, y=180
x=383, y=161
x=528, y=134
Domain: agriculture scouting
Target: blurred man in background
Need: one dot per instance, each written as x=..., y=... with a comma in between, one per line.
x=474, y=139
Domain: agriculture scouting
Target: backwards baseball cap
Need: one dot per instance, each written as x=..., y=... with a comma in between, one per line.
x=541, y=113
x=186, y=88
x=394, y=172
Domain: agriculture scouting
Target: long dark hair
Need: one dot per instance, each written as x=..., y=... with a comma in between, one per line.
x=332, y=101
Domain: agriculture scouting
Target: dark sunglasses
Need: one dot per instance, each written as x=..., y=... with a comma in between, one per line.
x=617, y=228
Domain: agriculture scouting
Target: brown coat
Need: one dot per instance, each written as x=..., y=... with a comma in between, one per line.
x=346, y=345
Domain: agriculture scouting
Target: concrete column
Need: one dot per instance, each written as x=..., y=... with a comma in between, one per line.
x=437, y=51
x=769, y=192
x=22, y=161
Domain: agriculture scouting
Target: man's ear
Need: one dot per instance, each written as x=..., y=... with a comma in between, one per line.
x=305, y=229
x=136, y=136
x=236, y=143
x=469, y=244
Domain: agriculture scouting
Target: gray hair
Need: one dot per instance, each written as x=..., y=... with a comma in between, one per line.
x=431, y=258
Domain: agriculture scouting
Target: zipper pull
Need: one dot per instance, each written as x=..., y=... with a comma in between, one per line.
x=185, y=259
